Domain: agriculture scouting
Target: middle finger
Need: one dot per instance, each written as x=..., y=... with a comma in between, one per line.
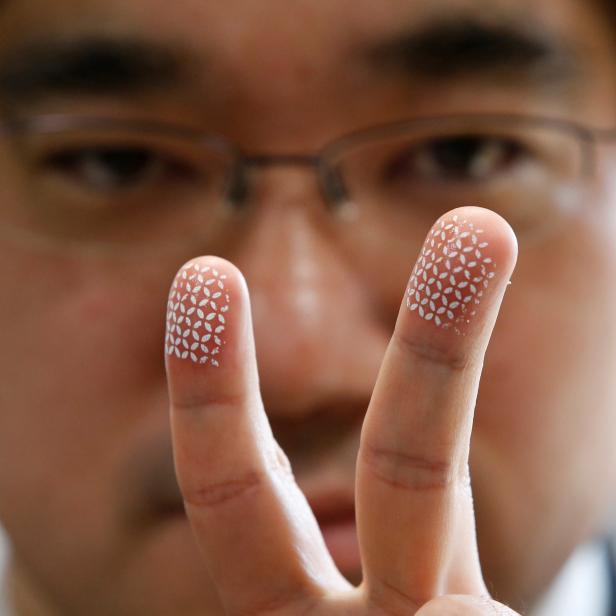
x=414, y=505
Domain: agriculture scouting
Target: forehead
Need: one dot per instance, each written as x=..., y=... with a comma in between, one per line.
x=280, y=31
x=293, y=57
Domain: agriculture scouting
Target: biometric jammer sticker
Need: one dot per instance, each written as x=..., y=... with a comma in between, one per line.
x=196, y=314
x=451, y=274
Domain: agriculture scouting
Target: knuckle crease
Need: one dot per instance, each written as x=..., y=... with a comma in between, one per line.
x=402, y=470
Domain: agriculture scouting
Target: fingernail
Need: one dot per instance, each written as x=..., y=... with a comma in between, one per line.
x=451, y=275
x=197, y=313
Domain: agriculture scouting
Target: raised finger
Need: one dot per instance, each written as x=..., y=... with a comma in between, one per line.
x=414, y=503
x=259, y=539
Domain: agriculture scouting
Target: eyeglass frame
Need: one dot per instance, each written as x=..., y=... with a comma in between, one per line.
x=331, y=185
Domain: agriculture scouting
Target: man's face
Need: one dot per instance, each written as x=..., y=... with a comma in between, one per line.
x=87, y=487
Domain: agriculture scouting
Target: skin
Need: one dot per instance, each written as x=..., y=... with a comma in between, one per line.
x=85, y=404
x=412, y=489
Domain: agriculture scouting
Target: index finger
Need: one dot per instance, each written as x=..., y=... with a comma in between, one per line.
x=414, y=505
x=258, y=537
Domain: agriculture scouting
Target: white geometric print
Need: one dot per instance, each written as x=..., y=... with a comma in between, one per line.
x=451, y=274
x=196, y=314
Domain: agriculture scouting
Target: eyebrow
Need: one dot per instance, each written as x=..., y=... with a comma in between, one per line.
x=439, y=50
x=87, y=66
x=464, y=47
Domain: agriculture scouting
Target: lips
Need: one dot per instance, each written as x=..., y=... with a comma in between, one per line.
x=334, y=510
x=152, y=495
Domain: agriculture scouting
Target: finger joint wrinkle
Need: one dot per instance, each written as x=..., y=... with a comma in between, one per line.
x=216, y=494
x=456, y=360
x=407, y=471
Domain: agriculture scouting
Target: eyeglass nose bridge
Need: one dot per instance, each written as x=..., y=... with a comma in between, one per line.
x=331, y=183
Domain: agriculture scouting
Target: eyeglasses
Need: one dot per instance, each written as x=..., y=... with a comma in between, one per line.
x=108, y=182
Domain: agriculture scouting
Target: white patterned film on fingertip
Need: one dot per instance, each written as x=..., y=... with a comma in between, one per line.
x=451, y=274
x=196, y=314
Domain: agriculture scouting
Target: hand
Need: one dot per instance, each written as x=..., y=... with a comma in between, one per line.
x=414, y=507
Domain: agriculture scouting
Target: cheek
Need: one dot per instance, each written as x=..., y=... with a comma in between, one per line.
x=81, y=363
x=72, y=327
x=543, y=456
x=547, y=398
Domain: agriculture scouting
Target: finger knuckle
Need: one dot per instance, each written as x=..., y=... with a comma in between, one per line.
x=403, y=470
x=247, y=486
x=451, y=357
x=215, y=402
x=221, y=493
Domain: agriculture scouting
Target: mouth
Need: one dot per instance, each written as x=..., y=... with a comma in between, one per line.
x=335, y=514
x=156, y=498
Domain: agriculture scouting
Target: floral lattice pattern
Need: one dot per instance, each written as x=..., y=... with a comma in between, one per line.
x=196, y=314
x=451, y=274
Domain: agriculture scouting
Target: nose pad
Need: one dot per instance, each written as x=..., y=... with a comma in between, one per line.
x=238, y=188
x=334, y=189
x=288, y=184
x=331, y=183
x=336, y=194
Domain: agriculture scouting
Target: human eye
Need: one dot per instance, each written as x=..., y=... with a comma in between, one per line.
x=116, y=169
x=464, y=158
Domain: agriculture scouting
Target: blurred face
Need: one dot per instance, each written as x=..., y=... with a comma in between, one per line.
x=87, y=486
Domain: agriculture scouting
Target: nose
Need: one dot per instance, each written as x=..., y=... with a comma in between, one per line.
x=318, y=344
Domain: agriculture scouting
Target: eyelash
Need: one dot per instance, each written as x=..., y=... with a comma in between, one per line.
x=425, y=157
x=77, y=163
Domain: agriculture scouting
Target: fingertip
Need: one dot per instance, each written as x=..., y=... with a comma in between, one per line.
x=503, y=242
x=207, y=329
x=461, y=272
